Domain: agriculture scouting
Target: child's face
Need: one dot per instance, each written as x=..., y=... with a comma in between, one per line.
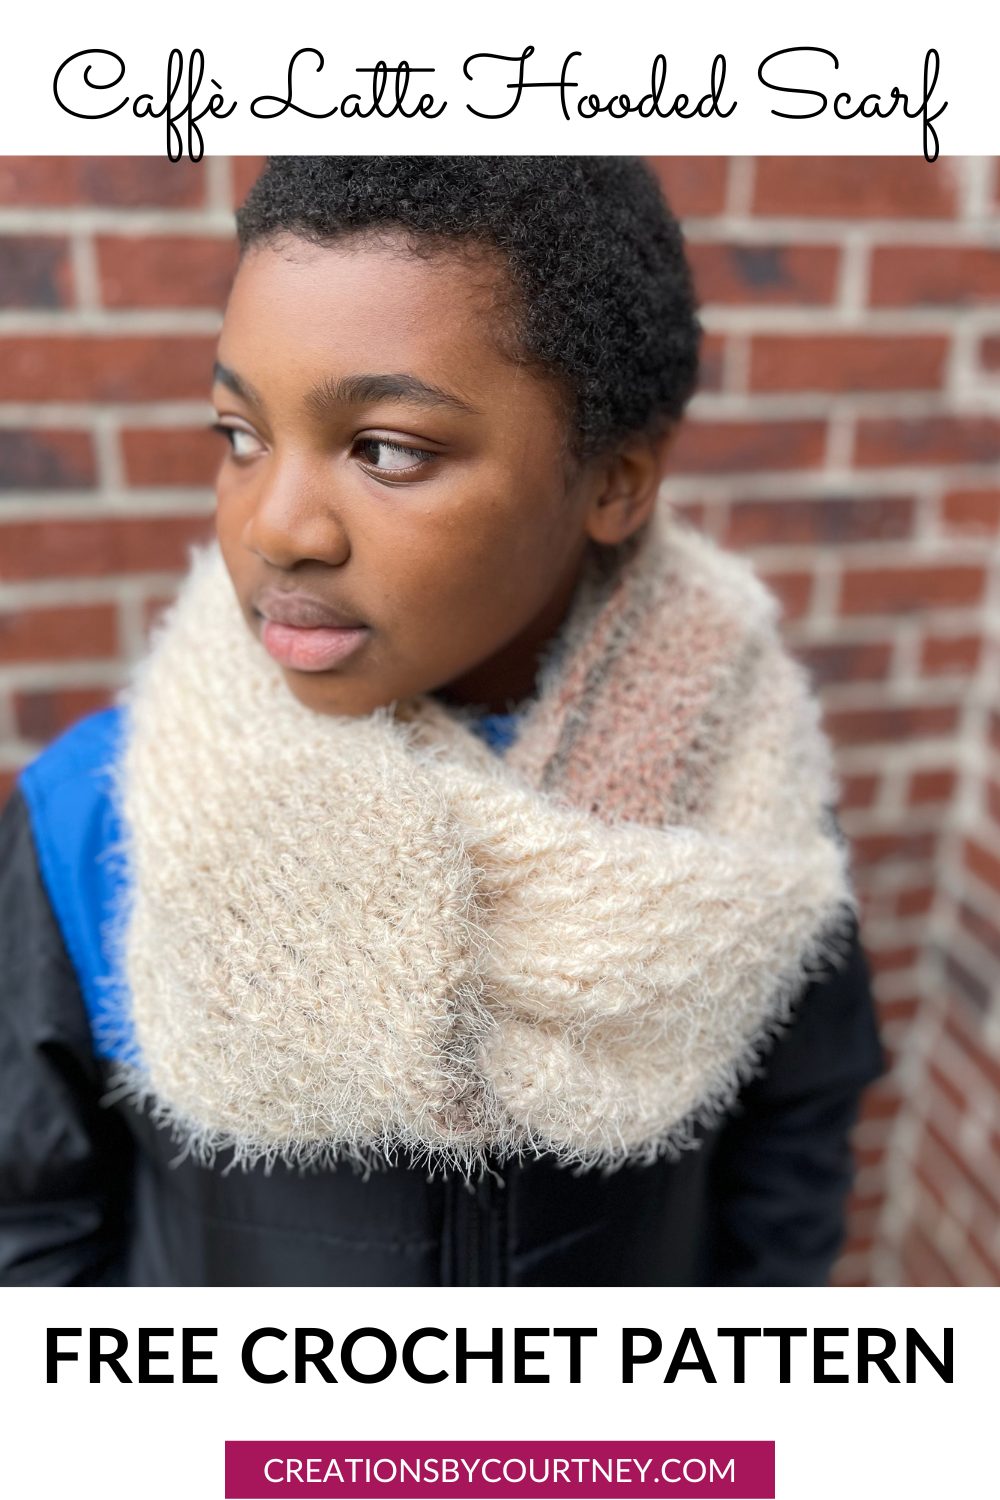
x=391, y=463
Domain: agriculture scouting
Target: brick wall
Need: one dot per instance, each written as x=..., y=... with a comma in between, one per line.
x=847, y=435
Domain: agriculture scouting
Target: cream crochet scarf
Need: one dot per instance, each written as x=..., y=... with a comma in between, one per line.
x=354, y=937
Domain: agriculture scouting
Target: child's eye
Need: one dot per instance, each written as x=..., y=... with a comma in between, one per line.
x=242, y=443
x=391, y=458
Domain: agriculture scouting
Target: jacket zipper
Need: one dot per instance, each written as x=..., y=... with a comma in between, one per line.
x=472, y=1232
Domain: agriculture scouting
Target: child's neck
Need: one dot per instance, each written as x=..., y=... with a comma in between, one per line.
x=494, y=698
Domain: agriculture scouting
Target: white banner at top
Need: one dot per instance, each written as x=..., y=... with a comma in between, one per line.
x=189, y=79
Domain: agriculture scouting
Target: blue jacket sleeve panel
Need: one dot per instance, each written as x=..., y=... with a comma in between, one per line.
x=77, y=837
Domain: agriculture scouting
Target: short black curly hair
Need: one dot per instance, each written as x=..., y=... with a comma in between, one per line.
x=606, y=300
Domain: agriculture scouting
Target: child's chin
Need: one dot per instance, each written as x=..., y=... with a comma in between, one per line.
x=333, y=693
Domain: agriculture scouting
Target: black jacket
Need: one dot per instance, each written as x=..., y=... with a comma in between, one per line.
x=92, y=1192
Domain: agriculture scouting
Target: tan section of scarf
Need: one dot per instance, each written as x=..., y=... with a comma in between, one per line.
x=351, y=936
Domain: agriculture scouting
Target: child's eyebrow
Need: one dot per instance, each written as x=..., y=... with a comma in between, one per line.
x=357, y=390
x=353, y=390
x=223, y=375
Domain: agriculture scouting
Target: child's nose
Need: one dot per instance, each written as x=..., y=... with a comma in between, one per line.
x=294, y=517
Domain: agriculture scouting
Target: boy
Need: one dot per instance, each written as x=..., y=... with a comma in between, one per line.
x=341, y=931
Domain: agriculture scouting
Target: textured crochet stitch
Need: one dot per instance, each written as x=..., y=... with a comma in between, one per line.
x=351, y=937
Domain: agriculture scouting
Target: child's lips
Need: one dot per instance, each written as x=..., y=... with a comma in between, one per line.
x=306, y=633
x=311, y=648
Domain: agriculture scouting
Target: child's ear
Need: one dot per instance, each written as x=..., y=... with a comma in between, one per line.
x=627, y=484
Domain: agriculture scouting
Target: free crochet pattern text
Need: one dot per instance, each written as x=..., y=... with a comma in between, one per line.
x=95, y=84
x=520, y=1355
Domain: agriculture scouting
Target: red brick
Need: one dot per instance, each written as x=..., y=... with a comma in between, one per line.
x=925, y=1264
x=902, y=590
x=843, y=661
x=869, y=1156
x=847, y=362
x=764, y=275
x=245, y=171
x=694, y=186
x=983, y=863
x=934, y=276
x=70, y=631
x=890, y=722
x=993, y=800
x=964, y=1167
x=981, y=927
x=99, y=548
x=42, y=715
x=972, y=512
x=904, y=1008
x=933, y=1176
x=989, y=353
x=878, y=848
x=110, y=181
x=927, y=440
x=825, y=519
x=881, y=1102
x=936, y=1161
x=710, y=364
x=857, y=792
x=871, y=1201
x=966, y=983
x=8, y=776
x=968, y=1039
x=35, y=271
x=165, y=270
x=157, y=456
x=728, y=447
x=862, y=1227
x=77, y=367
x=950, y=655
x=984, y=1221
x=890, y=960
x=915, y=901
x=897, y=846
x=42, y=458
x=793, y=589
x=853, y=187
x=931, y=786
